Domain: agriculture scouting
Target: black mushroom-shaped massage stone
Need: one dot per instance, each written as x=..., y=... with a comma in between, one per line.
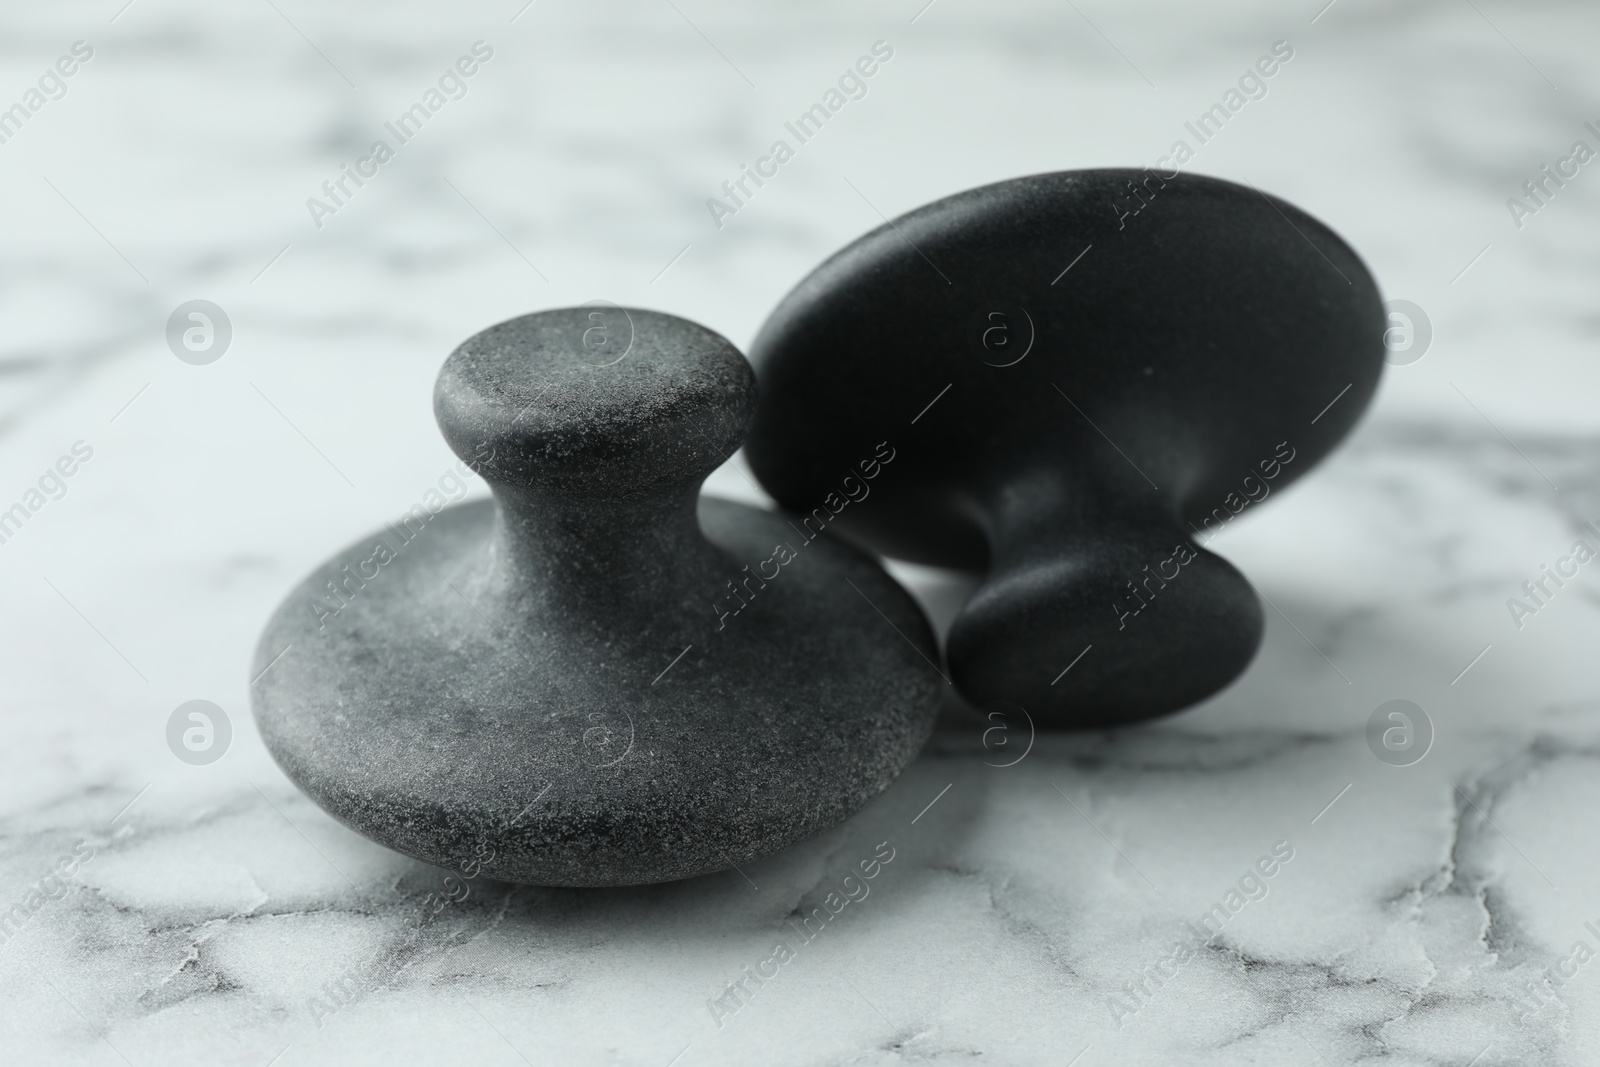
x=591, y=679
x=1087, y=375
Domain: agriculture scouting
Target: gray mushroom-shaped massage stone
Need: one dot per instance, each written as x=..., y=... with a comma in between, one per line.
x=1093, y=372
x=596, y=678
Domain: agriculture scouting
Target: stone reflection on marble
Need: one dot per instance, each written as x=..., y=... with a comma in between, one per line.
x=1038, y=898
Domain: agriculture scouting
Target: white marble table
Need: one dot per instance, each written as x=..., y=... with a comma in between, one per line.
x=162, y=913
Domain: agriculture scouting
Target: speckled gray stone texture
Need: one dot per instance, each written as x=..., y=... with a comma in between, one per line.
x=560, y=686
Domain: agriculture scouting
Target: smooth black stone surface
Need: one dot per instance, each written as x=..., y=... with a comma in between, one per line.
x=1087, y=425
x=559, y=686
